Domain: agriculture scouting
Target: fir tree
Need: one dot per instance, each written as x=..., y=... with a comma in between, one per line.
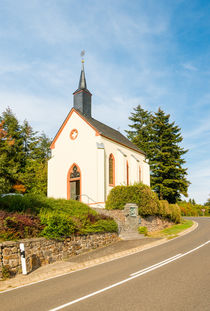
x=12, y=158
x=140, y=133
x=168, y=177
x=160, y=139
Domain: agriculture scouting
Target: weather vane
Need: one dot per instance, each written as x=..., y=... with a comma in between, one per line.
x=82, y=54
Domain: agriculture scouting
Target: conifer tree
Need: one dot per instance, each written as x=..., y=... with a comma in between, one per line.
x=140, y=132
x=168, y=177
x=23, y=156
x=161, y=142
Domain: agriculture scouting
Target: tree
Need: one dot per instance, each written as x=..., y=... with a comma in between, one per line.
x=11, y=151
x=140, y=133
x=23, y=156
x=168, y=177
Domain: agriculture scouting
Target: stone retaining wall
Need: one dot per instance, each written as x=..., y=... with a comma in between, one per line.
x=41, y=251
x=153, y=223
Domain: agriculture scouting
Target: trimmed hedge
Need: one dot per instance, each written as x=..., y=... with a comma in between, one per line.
x=147, y=201
x=140, y=194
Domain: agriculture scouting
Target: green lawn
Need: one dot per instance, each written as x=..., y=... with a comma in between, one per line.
x=173, y=231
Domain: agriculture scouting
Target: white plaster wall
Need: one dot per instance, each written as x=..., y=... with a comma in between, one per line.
x=146, y=173
x=91, y=154
x=123, y=154
x=82, y=151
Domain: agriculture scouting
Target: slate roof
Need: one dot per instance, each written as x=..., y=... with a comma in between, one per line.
x=111, y=133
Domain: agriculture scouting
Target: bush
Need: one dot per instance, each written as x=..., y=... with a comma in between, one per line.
x=146, y=200
x=57, y=225
x=15, y=226
x=59, y=217
x=142, y=230
x=29, y=204
x=165, y=210
x=101, y=225
x=175, y=213
x=189, y=209
x=140, y=194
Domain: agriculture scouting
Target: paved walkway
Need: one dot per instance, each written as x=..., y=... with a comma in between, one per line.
x=92, y=258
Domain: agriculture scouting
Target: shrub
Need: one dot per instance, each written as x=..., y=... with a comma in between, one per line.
x=165, y=210
x=146, y=200
x=140, y=194
x=57, y=225
x=102, y=225
x=59, y=217
x=6, y=273
x=189, y=209
x=29, y=204
x=142, y=230
x=15, y=226
x=175, y=213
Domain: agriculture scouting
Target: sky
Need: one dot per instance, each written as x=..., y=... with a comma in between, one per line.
x=138, y=52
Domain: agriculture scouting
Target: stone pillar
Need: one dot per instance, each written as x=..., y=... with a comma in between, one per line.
x=131, y=218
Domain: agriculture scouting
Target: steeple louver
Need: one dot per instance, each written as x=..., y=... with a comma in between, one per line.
x=82, y=97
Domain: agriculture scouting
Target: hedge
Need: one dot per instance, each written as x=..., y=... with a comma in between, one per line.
x=146, y=200
x=171, y=211
x=140, y=194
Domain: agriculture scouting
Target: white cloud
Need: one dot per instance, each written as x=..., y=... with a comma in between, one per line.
x=189, y=67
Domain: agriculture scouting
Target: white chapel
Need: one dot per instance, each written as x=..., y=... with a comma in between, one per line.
x=89, y=158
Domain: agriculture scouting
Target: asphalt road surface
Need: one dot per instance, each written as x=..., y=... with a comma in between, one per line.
x=172, y=276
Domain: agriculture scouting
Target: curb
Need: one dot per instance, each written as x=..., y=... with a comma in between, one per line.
x=88, y=264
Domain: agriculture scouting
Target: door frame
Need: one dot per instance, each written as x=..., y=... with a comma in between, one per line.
x=69, y=179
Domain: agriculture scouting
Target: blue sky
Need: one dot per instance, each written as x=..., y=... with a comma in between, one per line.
x=147, y=52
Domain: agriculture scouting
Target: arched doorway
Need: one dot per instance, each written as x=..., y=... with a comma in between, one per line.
x=74, y=183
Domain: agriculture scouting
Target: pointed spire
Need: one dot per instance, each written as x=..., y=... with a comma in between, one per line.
x=82, y=97
x=82, y=81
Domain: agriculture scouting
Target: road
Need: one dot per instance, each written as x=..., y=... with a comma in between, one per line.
x=172, y=276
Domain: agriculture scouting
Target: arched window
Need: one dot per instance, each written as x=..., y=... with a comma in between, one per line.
x=139, y=174
x=111, y=170
x=127, y=169
x=74, y=183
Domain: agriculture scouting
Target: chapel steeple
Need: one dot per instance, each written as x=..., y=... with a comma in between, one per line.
x=82, y=96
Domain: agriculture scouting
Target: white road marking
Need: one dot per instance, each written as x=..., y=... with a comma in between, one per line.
x=100, y=263
x=133, y=276
x=157, y=264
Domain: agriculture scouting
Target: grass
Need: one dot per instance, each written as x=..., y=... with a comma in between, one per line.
x=34, y=215
x=172, y=231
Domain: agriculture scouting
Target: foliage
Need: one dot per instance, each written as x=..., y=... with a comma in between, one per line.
x=58, y=218
x=28, y=204
x=140, y=129
x=143, y=230
x=207, y=207
x=6, y=273
x=189, y=209
x=140, y=194
x=171, y=211
x=23, y=156
x=15, y=226
x=57, y=225
x=146, y=200
x=161, y=140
